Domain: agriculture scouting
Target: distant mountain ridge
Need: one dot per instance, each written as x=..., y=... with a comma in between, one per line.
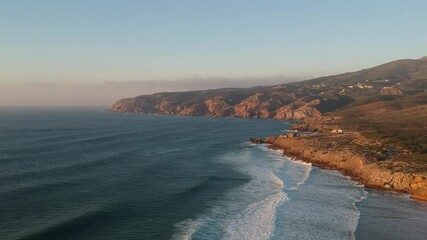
x=298, y=100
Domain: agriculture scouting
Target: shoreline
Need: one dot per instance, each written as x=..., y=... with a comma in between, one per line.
x=386, y=175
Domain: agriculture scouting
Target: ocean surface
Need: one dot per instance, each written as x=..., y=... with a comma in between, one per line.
x=85, y=173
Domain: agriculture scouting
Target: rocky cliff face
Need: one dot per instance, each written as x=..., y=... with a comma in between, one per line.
x=261, y=105
x=298, y=110
x=391, y=174
x=277, y=105
x=219, y=107
x=299, y=100
x=124, y=105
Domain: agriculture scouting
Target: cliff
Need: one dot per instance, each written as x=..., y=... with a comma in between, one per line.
x=350, y=154
x=243, y=103
x=296, y=101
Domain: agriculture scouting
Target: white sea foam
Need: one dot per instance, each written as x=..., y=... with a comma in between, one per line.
x=304, y=169
x=358, y=198
x=296, y=170
x=257, y=221
x=278, y=181
x=279, y=202
x=186, y=229
x=324, y=208
x=247, y=212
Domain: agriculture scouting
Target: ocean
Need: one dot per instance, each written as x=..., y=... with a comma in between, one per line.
x=86, y=173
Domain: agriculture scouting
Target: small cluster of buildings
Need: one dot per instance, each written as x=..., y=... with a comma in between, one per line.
x=360, y=85
x=289, y=135
x=294, y=133
x=338, y=130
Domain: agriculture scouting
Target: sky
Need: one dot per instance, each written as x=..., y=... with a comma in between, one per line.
x=93, y=52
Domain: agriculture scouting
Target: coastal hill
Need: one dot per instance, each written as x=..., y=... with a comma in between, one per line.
x=292, y=101
x=370, y=124
x=387, y=102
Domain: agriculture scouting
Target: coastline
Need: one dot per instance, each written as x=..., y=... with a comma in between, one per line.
x=398, y=176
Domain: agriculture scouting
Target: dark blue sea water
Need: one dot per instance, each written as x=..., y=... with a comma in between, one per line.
x=85, y=173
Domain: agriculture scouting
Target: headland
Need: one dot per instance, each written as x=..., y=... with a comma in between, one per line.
x=365, y=160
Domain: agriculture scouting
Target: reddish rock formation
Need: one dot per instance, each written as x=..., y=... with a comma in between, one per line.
x=193, y=110
x=253, y=106
x=166, y=107
x=218, y=107
x=278, y=105
x=297, y=111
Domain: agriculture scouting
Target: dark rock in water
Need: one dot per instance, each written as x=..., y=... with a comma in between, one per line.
x=256, y=140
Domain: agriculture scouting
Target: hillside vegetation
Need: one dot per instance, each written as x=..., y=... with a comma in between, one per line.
x=399, y=123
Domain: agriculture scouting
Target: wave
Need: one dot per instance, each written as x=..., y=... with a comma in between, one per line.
x=257, y=221
x=247, y=212
x=63, y=225
x=186, y=229
x=285, y=199
x=323, y=208
x=65, y=164
x=80, y=142
x=293, y=171
x=209, y=185
x=282, y=201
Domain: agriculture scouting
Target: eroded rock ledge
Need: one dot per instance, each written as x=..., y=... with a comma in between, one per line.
x=352, y=160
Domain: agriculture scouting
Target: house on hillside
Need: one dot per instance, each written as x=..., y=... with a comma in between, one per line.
x=338, y=130
x=289, y=135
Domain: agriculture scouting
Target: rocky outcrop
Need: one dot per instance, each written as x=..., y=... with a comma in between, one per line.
x=253, y=106
x=219, y=107
x=262, y=105
x=166, y=107
x=391, y=91
x=256, y=140
x=390, y=175
x=298, y=111
x=124, y=105
x=193, y=110
x=134, y=105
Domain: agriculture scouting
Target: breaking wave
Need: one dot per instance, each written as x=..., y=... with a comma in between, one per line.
x=247, y=212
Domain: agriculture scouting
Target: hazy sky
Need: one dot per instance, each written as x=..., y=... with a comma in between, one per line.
x=93, y=52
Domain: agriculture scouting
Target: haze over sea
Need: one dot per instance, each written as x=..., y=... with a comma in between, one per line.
x=85, y=173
